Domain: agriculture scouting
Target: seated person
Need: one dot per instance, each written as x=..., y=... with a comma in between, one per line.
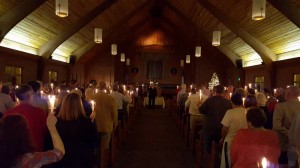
x=251, y=145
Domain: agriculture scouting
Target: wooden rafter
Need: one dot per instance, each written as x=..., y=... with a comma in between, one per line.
x=15, y=15
x=123, y=21
x=288, y=9
x=267, y=55
x=47, y=49
x=223, y=48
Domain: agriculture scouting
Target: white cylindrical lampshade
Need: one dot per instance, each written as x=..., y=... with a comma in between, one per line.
x=61, y=8
x=128, y=61
x=122, y=57
x=187, y=59
x=182, y=63
x=258, y=9
x=114, y=49
x=198, y=51
x=216, y=38
x=98, y=35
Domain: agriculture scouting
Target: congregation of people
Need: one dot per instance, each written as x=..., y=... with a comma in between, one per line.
x=77, y=128
x=250, y=126
x=72, y=134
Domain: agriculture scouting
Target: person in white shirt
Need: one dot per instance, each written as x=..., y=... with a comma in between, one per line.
x=233, y=120
x=193, y=103
x=120, y=99
x=6, y=101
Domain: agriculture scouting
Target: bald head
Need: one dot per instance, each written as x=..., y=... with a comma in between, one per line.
x=292, y=92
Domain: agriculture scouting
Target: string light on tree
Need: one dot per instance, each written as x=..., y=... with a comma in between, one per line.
x=214, y=81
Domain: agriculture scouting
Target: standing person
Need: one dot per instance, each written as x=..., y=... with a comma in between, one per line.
x=214, y=109
x=283, y=115
x=37, y=100
x=106, y=117
x=36, y=117
x=181, y=99
x=120, y=100
x=193, y=104
x=249, y=146
x=234, y=120
x=16, y=146
x=152, y=94
x=294, y=136
x=77, y=132
x=6, y=102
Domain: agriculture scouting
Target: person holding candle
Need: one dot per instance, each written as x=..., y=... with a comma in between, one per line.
x=37, y=99
x=250, y=146
x=35, y=116
x=78, y=134
x=234, y=120
x=193, y=104
x=283, y=116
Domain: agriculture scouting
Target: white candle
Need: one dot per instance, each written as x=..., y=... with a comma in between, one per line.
x=124, y=87
x=250, y=85
x=244, y=101
x=275, y=90
x=52, y=101
x=96, y=90
x=17, y=86
x=191, y=86
x=137, y=89
x=200, y=93
x=68, y=91
x=51, y=85
x=177, y=87
x=142, y=85
x=230, y=94
x=58, y=90
x=42, y=93
x=93, y=105
x=264, y=162
x=245, y=87
x=299, y=98
x=104, y=91
x=76, y=88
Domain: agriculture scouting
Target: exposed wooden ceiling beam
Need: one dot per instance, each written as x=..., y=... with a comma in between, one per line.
x=15, y=15
x=48, y=48
x=288, y=9
x=267, y=55
x=223, y=48
x=81, y=51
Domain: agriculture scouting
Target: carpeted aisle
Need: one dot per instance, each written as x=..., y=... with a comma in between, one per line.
x=154, y=143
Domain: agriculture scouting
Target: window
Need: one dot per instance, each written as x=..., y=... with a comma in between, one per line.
x=259, y=83
x=155, y=69
x=297, y=80
x=13, y=74
x=52, y=76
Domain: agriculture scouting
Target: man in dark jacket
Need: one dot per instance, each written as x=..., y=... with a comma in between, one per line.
x=152, y=94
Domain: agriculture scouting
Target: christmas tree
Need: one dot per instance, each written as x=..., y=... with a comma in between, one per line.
x=214, y=81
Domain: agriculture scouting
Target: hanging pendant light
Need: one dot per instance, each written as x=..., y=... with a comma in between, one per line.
x=128, y=61
x=216, y=38
x=187, y=59
x=114, y=49
x=198, y=51
x=122, y=57
x=98, y=35
x=182, y=63
x=258, y=9
x=61, y=8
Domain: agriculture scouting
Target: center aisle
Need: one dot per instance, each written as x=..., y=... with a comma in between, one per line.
x=154, y=143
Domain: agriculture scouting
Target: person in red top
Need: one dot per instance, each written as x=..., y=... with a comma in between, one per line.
x=251, y=145
x=35, y=117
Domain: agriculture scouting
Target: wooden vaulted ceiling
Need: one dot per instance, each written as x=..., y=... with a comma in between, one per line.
x=32, y=26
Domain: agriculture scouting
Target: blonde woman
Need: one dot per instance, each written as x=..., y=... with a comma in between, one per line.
x=78, y=133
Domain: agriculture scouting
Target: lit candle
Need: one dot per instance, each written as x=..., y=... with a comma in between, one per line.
x=275, y=90
x=191, y=86
x=58, y=90
x=177, y=87
x=131, y=93
x=244, y=101
x=124, y=87
x=200, y=93
x=76, y=88
x=245, y=87
x=230, y=94
x=42, y=93
x=17, y=86
x=268, y=97
x=264, y=162
x=68, y=91
x=137, y=89
x=250, y=85
x=93, y=105
x=299, y=98
x=96, y=90
x=225, y=88
x=51, y=85
x=104, y=91
x=52, y=101
x=142, y=85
